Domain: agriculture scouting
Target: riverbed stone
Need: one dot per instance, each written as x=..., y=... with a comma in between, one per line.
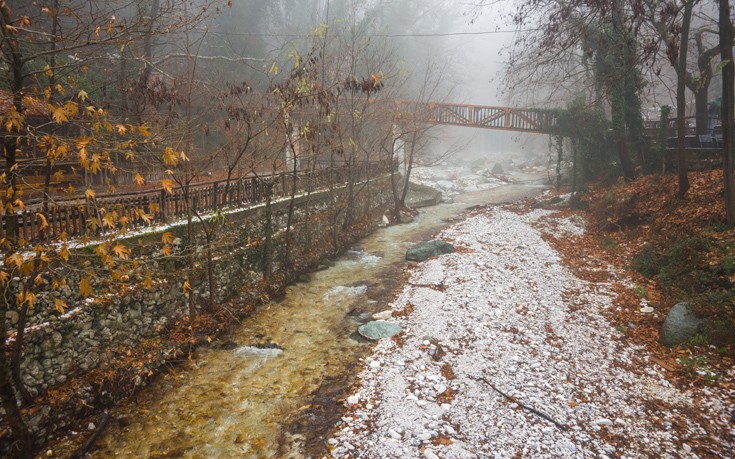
x=425, y=250
x=422, y=195
x=680, y=326
x=379, y=329
x=383, y=315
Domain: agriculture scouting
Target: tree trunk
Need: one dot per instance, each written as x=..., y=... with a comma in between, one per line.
x=190, y=246
x=681, y=158
x=702, y=108
x=728, y=108
x=210, y=268
x=267, y=253
x=51, y=85
x=22, y=439
x=17, y=355
x=409, y=167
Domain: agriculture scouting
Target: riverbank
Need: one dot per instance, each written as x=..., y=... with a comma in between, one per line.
x=264, y=391
x=507, y=353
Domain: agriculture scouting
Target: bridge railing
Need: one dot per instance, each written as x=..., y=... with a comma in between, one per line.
x=478, y=116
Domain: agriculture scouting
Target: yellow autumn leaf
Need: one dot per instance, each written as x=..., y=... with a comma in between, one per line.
x=109, y=220
x=59, y=115
x=64, y=252
x=183, y=157
x=167, y=238
x=167, y=185
x=139, y=179
x=82, y=95
x=90, y=194
x=4, y=276
x=60, y=305
x=14, y=260
x=187, y=287
x=85, y=288
x=47, y=71
x=169, y=157
x=27, y=297
x=144, y=130
x=42, y=221
x=121, y=251
x=121, y=129
x=144, y=216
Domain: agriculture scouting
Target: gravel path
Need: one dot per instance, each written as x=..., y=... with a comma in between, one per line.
x=506, y=354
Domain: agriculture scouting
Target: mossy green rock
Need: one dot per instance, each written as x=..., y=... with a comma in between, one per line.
x=425, y=250
x=379, y=329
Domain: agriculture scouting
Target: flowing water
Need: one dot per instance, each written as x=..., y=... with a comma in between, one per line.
x=279, y=381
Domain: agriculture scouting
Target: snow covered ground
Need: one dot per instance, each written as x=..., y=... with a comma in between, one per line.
x=505, y=354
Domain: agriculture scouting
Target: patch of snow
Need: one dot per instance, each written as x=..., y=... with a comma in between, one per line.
x=500, y=318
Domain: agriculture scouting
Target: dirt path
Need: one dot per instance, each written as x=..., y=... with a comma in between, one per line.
x=505, y=353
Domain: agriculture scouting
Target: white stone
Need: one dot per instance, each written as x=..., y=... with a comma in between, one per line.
x=394, y=435
x=383, y=315
x=603, y=422
x=353, y=399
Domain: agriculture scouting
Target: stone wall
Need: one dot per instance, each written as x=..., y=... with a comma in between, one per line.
x=58, y=347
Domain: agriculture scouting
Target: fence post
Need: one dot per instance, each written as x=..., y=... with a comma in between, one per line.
x=215, y=203
x=162, y=206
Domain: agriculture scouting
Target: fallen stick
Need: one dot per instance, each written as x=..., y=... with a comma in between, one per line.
x=525, y=407
x=84, y=449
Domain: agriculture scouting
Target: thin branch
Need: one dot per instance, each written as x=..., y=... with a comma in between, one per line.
x=524, y=406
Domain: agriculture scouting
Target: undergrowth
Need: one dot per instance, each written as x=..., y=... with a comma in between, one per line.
x=680, y=244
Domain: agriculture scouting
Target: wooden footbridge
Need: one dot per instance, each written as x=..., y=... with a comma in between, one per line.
x=479, y=116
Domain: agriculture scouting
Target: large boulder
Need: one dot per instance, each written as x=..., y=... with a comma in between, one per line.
x=425, y=250
x=422, y=196
x=498, y=169
x=680, y=325
x=379, y=329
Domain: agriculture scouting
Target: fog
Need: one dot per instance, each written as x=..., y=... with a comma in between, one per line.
x=469, y=45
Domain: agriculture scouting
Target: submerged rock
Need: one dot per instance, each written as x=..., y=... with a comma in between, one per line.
x=425, y=250
x=379, y=329
x=680, y=325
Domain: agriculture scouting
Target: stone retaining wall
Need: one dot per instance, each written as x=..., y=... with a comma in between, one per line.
x=58, y=347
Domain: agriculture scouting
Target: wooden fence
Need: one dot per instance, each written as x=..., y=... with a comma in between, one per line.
x=72, y=218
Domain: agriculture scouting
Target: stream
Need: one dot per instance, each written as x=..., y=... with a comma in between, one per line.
x=274, y=391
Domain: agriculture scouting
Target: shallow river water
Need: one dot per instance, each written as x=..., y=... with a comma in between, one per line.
x=243, y=402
